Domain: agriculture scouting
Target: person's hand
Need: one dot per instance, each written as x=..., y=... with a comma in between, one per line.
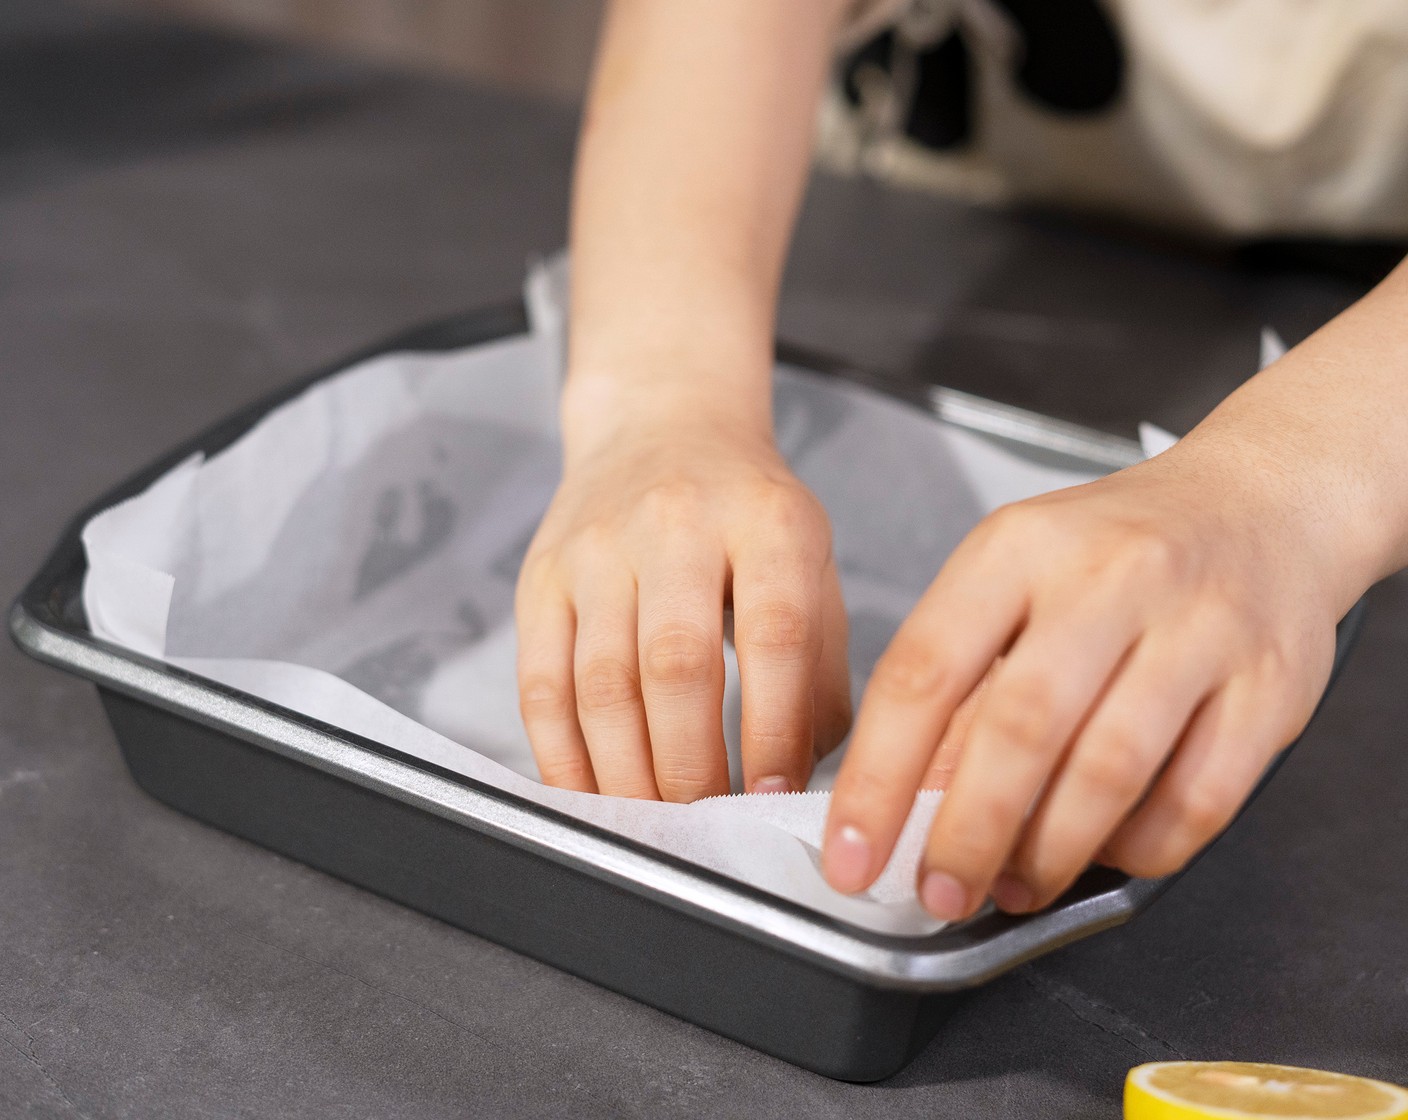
x=621, y=603
x=1147, y=643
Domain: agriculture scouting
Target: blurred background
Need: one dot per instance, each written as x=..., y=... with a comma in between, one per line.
x=541, y=47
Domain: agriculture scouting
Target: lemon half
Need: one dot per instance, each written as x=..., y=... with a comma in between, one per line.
x=1237, y=1090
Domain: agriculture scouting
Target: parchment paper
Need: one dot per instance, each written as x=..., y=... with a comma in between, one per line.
x=353, y=558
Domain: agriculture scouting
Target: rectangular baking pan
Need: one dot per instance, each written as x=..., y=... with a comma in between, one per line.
x=839, y=1000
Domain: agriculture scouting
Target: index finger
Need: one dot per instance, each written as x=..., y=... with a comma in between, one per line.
x=964, y=621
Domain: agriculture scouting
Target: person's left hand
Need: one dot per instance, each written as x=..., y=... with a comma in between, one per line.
x=1149, y=641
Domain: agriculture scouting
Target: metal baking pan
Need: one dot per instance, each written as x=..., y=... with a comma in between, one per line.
x=839, y=1000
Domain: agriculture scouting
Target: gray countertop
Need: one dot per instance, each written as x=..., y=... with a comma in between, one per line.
x=188, y=220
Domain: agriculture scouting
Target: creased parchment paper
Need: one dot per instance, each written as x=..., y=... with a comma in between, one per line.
x=353, y=558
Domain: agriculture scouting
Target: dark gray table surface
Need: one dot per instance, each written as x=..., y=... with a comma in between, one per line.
x=188, y=220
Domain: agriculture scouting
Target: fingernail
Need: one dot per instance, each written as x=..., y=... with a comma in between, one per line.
x=943, y=896
x=773, y=783
x=846, y=859
x=1011, y=894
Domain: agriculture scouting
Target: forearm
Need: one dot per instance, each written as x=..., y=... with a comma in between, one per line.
x=693, y=155
x=1325, y=429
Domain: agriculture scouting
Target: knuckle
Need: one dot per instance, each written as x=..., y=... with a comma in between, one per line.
x=680, y=657
x=1024, y=712
x=865, y=793
x=999, y=530
x=779, y=629
x=1224, y=611
x=674, y=503
x=634, y=787
x=1150, y=558
x=591, y=544
x=774, y=739
x=781, y=504
x=607, y=684
x=1277, y=661
x=1284, y=662
x=1111, y=767
x=544, y=699
x=683, y=780
x=981, y=831
x=565, y=771
x=1204, y=809
x=1015, y=517
x=910, y=671
x=1218, y=624
x=996, y=820
x=969, y=849
x=537, y=570
x=792, y=515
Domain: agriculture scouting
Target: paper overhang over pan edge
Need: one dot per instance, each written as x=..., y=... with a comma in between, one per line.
x=353, y=557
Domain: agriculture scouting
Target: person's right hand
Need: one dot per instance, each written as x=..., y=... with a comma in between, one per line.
x=650, y=538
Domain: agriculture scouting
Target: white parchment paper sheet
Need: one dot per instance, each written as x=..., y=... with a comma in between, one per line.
x=353, y=558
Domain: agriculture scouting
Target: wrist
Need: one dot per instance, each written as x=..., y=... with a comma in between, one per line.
x=1276, y=480
x=635, y=401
